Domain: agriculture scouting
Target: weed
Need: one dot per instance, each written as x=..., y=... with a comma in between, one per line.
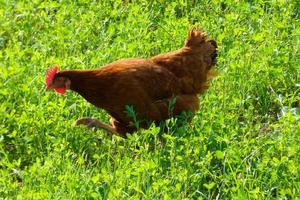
x=242, y=144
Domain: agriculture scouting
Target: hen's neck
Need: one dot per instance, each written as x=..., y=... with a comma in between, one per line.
x=88, y=83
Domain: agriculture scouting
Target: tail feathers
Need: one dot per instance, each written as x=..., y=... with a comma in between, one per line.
x=195, y=37
x=211, y=74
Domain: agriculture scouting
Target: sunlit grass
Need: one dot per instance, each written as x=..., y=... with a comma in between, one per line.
x=242, y=144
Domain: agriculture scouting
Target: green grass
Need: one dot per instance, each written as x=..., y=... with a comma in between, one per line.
x=243, y=143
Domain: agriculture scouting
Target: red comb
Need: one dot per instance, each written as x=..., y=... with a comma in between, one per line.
x=50, y=75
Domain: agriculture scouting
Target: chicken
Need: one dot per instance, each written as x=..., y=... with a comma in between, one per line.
x=148, y=85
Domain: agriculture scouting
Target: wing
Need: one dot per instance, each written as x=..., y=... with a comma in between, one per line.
x=139, y=83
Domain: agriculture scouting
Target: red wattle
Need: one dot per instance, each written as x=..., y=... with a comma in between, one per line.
x=60, y=90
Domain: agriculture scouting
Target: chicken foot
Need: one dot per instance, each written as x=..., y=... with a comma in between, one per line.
x=94, y=123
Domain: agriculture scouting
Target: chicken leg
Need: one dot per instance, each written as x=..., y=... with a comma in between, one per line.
x=94, y=123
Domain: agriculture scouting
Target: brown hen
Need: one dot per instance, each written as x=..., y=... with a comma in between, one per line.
x=147, y=85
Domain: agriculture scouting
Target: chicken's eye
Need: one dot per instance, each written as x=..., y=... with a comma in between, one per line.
x=59, y=79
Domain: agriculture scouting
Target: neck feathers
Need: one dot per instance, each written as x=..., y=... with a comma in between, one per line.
x=80, y=79
x=90, y=84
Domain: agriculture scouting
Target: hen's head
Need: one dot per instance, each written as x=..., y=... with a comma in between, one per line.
x=54, y=81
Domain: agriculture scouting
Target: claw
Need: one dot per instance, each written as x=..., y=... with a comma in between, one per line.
x=83, y=121
x=94, y=123
x=89, y=122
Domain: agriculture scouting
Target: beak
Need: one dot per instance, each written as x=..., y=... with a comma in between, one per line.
x=49, y=87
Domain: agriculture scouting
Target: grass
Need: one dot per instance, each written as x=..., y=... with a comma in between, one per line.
x=243, y=143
